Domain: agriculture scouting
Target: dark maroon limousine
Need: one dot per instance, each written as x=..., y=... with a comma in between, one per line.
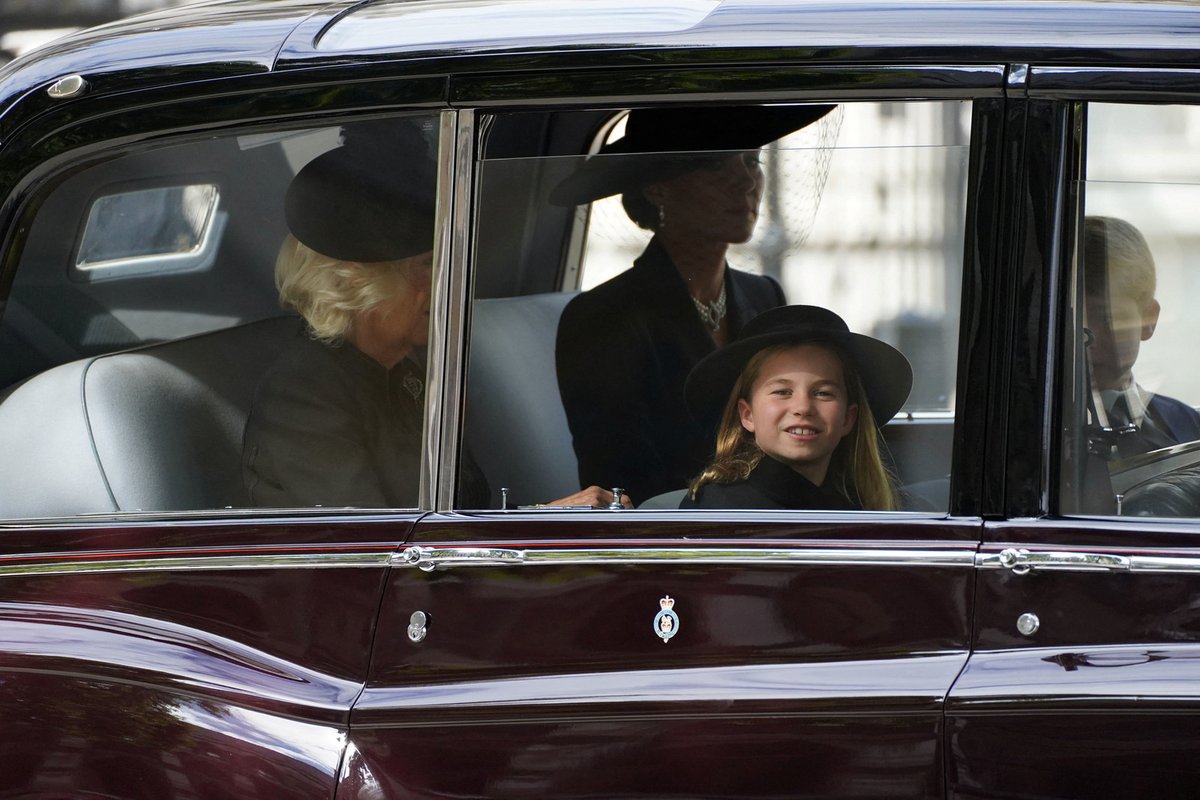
x=1005, y=192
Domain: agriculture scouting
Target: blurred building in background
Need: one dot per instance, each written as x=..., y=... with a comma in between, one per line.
x=25, y=24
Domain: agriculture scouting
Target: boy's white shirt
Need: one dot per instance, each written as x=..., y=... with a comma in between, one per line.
x=1137, y=400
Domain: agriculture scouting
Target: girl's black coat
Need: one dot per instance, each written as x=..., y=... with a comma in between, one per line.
x=771, y=484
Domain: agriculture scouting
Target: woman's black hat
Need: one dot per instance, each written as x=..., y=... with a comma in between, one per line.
x=660, y=143
x=361, y=203
x=885, y=373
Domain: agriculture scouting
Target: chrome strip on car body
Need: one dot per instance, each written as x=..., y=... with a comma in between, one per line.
x=430, y=558
x=1164, y=564
x=50, y=565
x=702, y=691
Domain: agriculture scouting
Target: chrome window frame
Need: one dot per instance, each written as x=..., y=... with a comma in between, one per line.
x=447, y=338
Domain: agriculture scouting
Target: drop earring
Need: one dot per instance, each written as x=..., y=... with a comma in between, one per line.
x=662, y=218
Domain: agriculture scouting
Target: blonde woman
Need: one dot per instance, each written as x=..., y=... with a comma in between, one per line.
x=337, y=420
x=799, y=396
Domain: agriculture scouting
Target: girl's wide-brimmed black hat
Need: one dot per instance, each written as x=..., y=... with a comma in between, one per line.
x=660, y=143
x=885, y=373
x=359, y=203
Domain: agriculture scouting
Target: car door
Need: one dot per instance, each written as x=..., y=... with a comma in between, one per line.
x=162, y=634
x=522, y=650
x=512, y=665
x=1082, y=678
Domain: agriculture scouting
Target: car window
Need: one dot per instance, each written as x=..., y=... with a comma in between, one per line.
x=1132, y=445
x=582, y=332
x=162, y=229
x=238, y=322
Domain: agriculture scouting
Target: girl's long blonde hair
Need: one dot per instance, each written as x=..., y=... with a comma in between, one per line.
x=856, y=468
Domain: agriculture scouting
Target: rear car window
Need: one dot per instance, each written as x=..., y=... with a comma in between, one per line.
x=177, y=351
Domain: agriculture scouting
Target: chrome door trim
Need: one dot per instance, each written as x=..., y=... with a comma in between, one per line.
x=429, y=558
x=707, y=691
x=47, y=565
x=1022, y=560
x=452, y=296
x=445, y=318
x=1182, y=564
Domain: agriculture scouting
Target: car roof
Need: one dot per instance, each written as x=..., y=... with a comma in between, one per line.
x=224, y=38
x=402, y=27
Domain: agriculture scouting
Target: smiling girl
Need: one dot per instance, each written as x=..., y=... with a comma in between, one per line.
x=798, y=428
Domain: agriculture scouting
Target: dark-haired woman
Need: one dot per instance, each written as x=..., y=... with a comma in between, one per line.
x=624, y=349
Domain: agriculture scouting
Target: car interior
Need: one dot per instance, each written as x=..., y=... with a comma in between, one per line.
x=143, y=312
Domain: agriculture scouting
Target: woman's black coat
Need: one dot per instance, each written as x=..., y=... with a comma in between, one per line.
x=329, y=426
x=624, y=351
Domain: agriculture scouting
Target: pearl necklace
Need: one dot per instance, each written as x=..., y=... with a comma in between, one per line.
x=711, y=314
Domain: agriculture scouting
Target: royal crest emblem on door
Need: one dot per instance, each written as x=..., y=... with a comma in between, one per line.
x=666, y=622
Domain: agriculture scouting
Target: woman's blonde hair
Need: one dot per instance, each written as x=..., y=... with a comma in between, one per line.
x=856, y=469
x=330, y=293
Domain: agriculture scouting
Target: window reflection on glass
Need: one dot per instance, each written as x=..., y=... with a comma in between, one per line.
x=863, y=213
x=1133, y=428
x=1144, y=168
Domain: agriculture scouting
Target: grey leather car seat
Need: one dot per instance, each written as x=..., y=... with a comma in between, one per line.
x=515, y=423
x=157, y=428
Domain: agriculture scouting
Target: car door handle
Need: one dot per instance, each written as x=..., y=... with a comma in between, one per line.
x=430, y=558
x=1020, y=561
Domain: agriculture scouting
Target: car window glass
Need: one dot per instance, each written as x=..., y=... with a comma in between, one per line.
x=172, y=228
x=237, y=323
x=1132, y=443
x=861, y=212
